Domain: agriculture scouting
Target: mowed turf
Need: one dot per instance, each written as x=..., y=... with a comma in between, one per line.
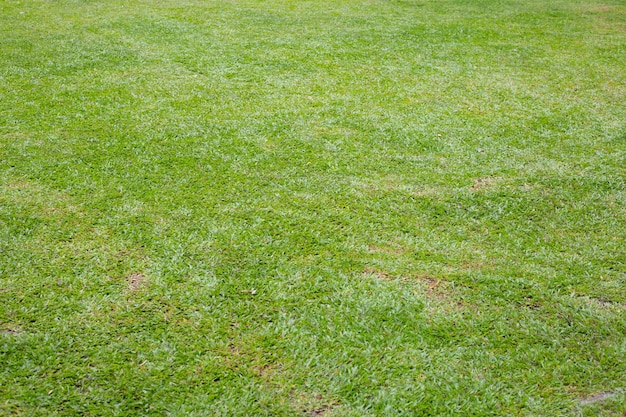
x=313, y=208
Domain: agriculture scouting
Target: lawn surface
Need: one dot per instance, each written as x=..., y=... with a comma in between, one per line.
x=312, y=208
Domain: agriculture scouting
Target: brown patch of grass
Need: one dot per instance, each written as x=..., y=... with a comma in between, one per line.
x=475, y=265
x=47, y=201
x=234, y=350
x=433, y=287
x=136, y=281
x=267, y=371
x=426, y=192
x=439, y=296
x=262, y=371
x=231, y=357
x=391, y=183
x=133, y=253
x=605, y=303
x=377, y=273
x=601, y=9
x=531, y=303
x=11, y=332
x=605, y=17
x=388, y=250
x=19, y=184
x=320, y=411
x=312, y=405
x=480, y=183
x=598, y=397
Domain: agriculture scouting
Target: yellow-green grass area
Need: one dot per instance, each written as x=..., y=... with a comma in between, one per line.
x=312, y=208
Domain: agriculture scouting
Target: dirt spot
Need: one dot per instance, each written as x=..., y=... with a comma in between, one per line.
x=234, y=350
x=261, y=370
x=605, y=303
x=602, y=9
x=598, y=397
x=267, y=371
x=319, y=411
x=377, y=273
x=433, y=287
x=427, y=192
x=378, y=185
x=440, y=296
x=605, y=17
x=312, y=405
x=531, y=303
x=10, y=332
x=392, y=183
x=123, y=253
x=136, y=281
x=136, y=253
x=18, y=185
x=388, y=250
x=476, y=265
x=232, y=357
x=480, y=183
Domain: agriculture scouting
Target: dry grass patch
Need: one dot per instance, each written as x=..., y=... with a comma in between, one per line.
x=306, y=404
x=481, y=183
x=11, y=332
x=604, y=303
x=377, y=273
x=599, y=397
x=387, y=250
x=434, y=288
x=136, y=281
x=601, y=9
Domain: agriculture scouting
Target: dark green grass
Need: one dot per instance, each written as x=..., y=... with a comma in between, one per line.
x=313, y=208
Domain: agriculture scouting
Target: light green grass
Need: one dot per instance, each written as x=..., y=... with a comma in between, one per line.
x=322, y=208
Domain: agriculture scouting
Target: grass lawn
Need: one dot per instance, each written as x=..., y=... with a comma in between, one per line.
x=312, y=208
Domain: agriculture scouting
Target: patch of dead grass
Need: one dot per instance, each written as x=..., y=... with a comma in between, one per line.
x=481, y=183
x=377, y=273
x=601, y=9
x=136, y=281
x=47, y=201
x=320, y=411
x=599, y=397
x=387, y=250
x=607, y=17
x=438, y=292
x=11, y=332
x=312, y=405
x=605, y=303
x=434, y=288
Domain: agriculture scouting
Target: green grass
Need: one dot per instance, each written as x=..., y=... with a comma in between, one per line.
x=316, y=208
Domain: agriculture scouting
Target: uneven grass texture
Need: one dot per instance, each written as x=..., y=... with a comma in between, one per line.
x=312, y=208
